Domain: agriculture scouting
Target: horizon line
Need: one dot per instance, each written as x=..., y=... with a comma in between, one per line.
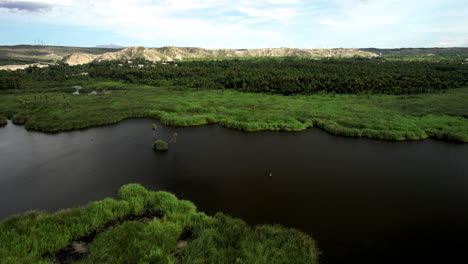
x=154, y=47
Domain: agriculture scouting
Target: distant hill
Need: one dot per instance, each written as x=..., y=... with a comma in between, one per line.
x=422, y=52
x=179, y=53
x=29, y=54
x=110, y=46
x=33, y=53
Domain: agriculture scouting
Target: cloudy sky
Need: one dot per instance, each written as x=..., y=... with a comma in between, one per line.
x=236, y=24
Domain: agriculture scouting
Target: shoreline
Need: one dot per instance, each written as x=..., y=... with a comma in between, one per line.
x=173, y=123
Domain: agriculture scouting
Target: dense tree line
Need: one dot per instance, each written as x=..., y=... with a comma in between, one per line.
x=285, y=76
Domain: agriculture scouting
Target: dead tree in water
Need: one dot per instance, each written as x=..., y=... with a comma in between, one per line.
x=174, y=138
x=155, y=129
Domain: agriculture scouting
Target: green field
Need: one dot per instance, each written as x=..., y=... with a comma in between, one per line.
x=147, y=227
x=393, y=117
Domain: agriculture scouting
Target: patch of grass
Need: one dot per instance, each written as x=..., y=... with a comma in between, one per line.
x=135, y=242
x=227, y=237
x=391, y=117
x=174, y=233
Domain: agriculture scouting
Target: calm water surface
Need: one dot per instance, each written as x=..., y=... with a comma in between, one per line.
x=364, y=201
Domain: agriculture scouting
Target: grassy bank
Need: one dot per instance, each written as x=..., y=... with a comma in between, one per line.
x=147, y=227
x=392, y=117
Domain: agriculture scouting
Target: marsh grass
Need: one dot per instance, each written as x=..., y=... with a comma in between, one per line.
x=37, y=237
x=391, y=117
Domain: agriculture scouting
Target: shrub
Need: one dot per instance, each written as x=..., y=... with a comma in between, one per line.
x=132, y=190
x=160, y=145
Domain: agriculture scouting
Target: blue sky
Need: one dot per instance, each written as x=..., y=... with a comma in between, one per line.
x=236, y=24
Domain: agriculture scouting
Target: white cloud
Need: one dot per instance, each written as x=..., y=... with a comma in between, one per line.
x=332, y=22
x=249, y=23
x=158, y=21
x=395, y=22
x=451, y=42
x=274, y=14
x=361, y=15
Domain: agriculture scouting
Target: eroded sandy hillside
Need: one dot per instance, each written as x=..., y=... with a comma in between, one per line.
x=176, y=53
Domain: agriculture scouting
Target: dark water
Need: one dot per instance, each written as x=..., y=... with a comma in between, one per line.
x=364, y=201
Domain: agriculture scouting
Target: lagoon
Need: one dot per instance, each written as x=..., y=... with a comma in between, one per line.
x=363, y=200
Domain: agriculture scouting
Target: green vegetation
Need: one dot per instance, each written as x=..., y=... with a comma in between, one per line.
x=3, y=120
x=147, y=227
x=268, y=75
x=394, y=117
x=373, y=98
x=160, y=145
x=4, y=61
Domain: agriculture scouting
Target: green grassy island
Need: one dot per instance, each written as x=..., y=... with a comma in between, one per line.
x=160, y=145
x=147, y=227
x=373, y=98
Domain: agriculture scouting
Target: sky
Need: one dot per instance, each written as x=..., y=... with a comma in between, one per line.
x=236, y=24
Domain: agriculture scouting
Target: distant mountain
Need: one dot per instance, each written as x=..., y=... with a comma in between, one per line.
x=110, y=46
